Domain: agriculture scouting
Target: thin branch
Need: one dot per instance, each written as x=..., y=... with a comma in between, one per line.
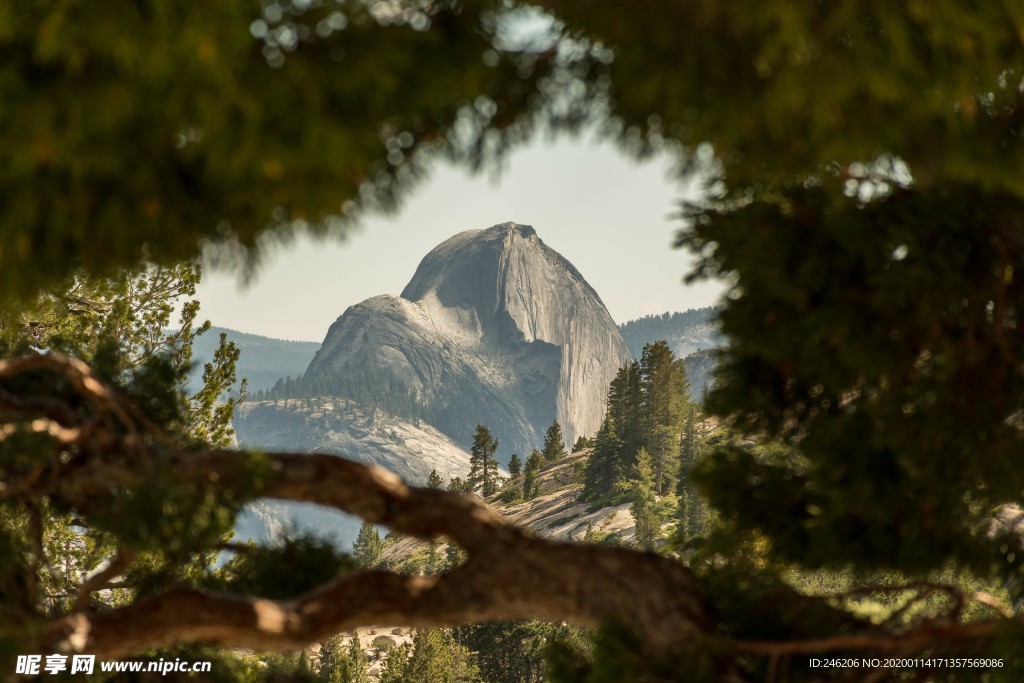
x=102, y=579
x=992, y=602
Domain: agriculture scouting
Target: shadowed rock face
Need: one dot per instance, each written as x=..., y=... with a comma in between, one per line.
x=494, y=327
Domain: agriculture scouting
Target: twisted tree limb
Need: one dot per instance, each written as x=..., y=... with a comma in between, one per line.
x=509, y=574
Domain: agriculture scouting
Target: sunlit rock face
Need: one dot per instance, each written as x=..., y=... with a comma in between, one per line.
x=494, y=327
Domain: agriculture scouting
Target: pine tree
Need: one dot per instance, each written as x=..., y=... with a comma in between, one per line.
x=396, y=666
x=691, y=513
x=434, y=563
x=332, y=660
x=515, y=466
x=509, y=651
x=434, y=481
x=437, y=658
x=529, y=483
x=644, y=506
x=554, y=443
x=368, y=546
x=581, y=443
x=354, y=669
x=458, y=485
x=604, y=462
x=483, y=466
x=530, y=486
x=666, y=393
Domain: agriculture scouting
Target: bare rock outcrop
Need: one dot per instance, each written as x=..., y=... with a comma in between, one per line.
x=494, y=327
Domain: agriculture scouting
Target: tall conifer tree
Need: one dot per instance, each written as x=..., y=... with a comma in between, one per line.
x=666, y=394
x=515, y=466
x=368, y=546
x=644, y=507
x=483, y=466
x=554, y=442
x=603, y=464
x=625, y=401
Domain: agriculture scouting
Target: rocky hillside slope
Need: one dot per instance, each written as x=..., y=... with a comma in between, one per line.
x=337, y=427
x=494, y=327
x=340, y=427
x=556, y=513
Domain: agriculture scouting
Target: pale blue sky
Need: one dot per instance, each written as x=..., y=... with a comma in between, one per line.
x=611, y=217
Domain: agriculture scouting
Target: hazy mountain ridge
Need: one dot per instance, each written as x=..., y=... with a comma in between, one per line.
x=262, y=360
x=340, y=427
x=686, y=332
x=693, y=335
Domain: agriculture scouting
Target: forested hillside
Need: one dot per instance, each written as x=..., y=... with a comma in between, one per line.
x=686, y=332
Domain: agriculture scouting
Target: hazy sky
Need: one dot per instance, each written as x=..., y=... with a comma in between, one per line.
x=612, y=218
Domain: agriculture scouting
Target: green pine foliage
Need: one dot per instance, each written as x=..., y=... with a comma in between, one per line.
x=483, y=466
x=647, y=406
x=692, y=512
x=369, y=391
x=262, y=359
x=368, y=547
x=513, y=651
x=644, y=509
x=515, y=466
x=339, y=663
x=396, y=666
x=581, y=443
x=458, y=485
x=666, y=396
x=603, y=465
x=121, y=326
x=625, y=407
x=356, y=665
x=554, y=443
x=284, y=571
x=437, y=658
x=531, y=487
x=434, y=481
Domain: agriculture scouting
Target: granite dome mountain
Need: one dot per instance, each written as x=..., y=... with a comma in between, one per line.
x=494, y=327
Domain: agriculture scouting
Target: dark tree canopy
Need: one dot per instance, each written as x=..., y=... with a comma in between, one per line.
x=172, y=122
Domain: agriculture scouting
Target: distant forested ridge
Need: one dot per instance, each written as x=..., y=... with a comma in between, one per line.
x=685, y=332
x=362, y=388
x=262, y=360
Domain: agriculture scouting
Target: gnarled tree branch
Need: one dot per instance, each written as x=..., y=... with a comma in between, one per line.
x=509, y=574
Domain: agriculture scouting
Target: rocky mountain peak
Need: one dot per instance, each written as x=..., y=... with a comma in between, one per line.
x=494, y=327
